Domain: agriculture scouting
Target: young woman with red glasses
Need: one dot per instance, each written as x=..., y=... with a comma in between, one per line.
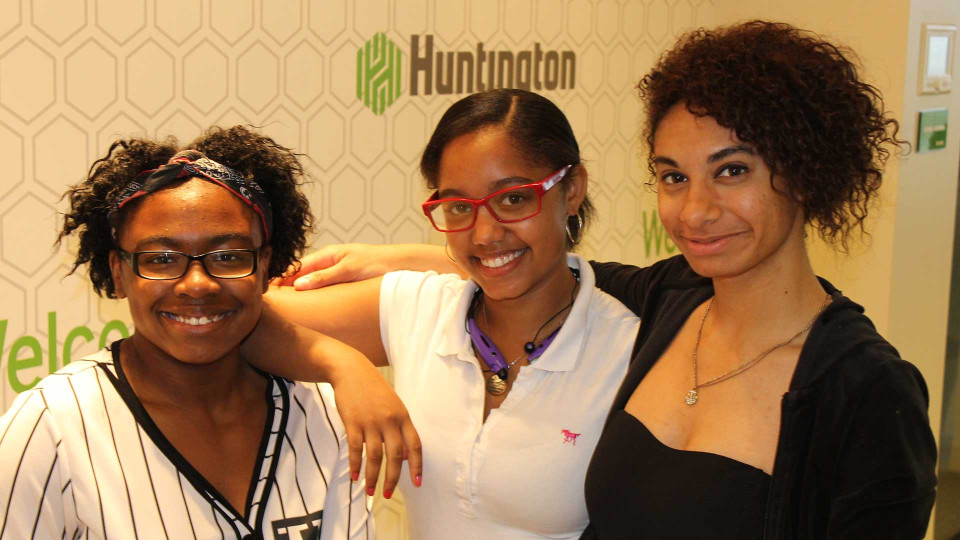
x=509, y=375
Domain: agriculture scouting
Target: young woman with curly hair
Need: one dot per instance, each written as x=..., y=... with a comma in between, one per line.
x=169, y=433
x=760, y=402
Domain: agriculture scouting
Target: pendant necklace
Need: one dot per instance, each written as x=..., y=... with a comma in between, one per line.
x=694, y=394
x=490, y=353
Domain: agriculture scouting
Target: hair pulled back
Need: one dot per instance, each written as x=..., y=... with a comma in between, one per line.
x=275, y=168
x=536, y=126
x=794, y=96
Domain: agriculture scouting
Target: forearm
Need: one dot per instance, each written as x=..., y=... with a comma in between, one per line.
x=348, y=312
x=425, y=257
x=344, y=263
x=296, y=352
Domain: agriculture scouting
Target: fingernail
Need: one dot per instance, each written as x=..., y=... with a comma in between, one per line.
x=301, y=282
x=417, y=480
x=387, y=493
x=371, y=490
x=355, y=476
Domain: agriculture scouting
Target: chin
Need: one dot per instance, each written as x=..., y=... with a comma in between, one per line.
x=722, y=267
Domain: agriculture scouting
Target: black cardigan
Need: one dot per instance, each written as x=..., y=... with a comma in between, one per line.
x=856, y=457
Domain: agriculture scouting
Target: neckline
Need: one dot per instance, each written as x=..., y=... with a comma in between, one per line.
x=455, y=344
x=694, y=453
x=184, y=467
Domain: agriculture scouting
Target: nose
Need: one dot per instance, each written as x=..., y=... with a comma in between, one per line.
x=487, y=230
x=197, y=283
x=699, y=205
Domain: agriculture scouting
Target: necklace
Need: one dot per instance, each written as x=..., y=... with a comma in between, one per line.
x=490, y=353
x=694, y=394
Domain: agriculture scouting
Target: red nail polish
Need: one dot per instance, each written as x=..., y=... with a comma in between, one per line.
x=387, y=493
x=354, y=476
x=371, y=490
x=417, y=480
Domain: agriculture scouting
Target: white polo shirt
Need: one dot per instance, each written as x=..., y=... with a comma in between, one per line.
x=520, y=474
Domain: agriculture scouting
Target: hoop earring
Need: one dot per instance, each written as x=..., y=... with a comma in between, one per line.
x=446, y=251
x=579, y=237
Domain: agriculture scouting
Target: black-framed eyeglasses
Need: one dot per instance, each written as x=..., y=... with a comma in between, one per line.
x=506, y=206
x=222, y=263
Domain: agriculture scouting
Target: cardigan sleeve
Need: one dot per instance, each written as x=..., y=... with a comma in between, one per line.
x=886, y=474
x=633, y=285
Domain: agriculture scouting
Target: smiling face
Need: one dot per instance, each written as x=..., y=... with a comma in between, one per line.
x=716, y=199
x=508, y=260
x=195, y=319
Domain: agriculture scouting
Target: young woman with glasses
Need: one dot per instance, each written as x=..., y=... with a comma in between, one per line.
x=760, y=401
x=169, y=433
x=509, y=375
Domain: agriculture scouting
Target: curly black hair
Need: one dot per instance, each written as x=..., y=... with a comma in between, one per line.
x=275, y=168
x=798, y=99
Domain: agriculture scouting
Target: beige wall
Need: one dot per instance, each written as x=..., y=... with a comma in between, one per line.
x=924, y=222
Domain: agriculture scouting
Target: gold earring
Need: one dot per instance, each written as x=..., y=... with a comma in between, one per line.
x=579, y=237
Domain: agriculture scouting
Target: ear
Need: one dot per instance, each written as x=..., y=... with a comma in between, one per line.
x=576, y=189
x=263, y=266
x=116, y=265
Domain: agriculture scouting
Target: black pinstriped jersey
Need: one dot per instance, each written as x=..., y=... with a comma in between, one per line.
x=80, y=458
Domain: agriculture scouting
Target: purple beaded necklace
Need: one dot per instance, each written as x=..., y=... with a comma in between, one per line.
x=490, y=353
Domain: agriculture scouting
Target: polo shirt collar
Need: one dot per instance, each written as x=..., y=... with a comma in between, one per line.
x=566, y=349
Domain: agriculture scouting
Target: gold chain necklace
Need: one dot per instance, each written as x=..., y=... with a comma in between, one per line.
x=694, y=394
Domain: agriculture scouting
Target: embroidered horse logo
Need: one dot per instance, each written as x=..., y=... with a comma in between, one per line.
x=569, y=436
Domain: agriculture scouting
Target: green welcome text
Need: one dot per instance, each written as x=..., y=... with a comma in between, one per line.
x=26, y=353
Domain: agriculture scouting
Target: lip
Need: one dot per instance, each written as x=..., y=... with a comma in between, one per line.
x=504, y=268
x=707, y=244
x=197, y=321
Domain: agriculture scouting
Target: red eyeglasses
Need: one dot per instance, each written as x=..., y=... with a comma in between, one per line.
x=506, y=206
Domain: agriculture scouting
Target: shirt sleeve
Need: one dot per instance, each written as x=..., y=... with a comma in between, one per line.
x=626, y=283
x=886, y=477
x=408, y=301
x=34, y=476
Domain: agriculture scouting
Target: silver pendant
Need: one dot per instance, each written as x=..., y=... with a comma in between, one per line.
x=692, y=396
x=496, y=385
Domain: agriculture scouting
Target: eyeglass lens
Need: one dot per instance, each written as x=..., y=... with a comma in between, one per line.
x=514, y=204
x=226, y=263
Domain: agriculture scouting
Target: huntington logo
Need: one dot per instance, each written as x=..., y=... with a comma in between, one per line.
x=457, y=72
x=378, y=73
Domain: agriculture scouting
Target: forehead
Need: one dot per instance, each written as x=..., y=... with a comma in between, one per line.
x=192, y=213
x=481, y=157
x=681, y=131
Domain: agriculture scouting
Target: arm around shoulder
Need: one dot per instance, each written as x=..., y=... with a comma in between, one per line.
x=348, y=312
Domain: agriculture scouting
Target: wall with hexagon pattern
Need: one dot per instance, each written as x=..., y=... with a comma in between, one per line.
x=77, y=74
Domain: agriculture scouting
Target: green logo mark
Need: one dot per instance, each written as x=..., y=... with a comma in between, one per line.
x=378, y=73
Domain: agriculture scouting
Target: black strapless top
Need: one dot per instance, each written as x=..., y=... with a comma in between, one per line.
x=669, y=493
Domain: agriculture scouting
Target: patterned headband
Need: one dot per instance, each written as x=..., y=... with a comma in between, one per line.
x=191, y=163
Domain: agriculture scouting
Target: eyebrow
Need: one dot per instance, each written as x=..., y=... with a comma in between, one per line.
x=497, y=186
x=173, y=243
x=729, y=151
x=712, y=158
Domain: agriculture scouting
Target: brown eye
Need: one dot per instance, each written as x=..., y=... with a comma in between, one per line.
x=733, y=170
x=673, y=178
